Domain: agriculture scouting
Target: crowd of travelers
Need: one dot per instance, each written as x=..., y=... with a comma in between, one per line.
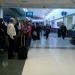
x=16, y=36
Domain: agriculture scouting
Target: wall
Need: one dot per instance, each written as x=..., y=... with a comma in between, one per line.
x=37, y=20
x=73, y=22
x=1, y=13
x=56, y=14
x=69, y=22
x=10, y=12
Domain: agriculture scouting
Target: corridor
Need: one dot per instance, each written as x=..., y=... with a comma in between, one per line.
x=24, y=46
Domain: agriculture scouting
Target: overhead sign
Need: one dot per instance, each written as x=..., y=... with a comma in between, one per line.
x=6, y=18
x=29, y=14
x=63, y=13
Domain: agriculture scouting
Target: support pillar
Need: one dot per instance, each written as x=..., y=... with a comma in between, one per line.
x=1, y=12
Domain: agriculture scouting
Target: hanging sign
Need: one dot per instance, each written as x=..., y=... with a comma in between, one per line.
x=29, y=14
x=63, y=13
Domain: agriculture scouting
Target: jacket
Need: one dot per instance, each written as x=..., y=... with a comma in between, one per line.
x=11, y=30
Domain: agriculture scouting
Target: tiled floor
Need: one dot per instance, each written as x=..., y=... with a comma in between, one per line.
x=50, y=62
x=54, y=56
x=43, y=62
x=3, y=63
x=52, y=42
x=46, y=62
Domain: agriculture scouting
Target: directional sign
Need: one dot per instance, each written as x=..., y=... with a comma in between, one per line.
x=63, y=13
x=29, y=14
x=6, y=18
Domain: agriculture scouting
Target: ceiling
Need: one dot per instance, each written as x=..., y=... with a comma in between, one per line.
x=38, y=3
x=39, y=12
x=29, y=4
x=13, y=12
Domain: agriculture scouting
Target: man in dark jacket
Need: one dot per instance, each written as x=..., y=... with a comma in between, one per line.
x=47, y=31
x=2, y=34
x=63, y=30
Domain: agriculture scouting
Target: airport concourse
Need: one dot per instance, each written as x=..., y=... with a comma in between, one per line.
x=37, y=38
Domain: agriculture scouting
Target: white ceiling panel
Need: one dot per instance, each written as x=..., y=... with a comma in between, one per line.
x=39, y=12
x=38, y=3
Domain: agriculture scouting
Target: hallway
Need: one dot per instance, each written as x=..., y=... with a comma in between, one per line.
x=52, y=56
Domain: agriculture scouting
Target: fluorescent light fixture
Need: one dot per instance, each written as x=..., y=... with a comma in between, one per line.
x=25, y=9
x=52, y=13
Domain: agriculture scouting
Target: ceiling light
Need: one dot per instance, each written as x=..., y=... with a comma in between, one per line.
x=25, y=9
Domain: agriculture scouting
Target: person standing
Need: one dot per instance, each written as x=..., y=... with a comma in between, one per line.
x=38, y=31
x=63, y=30
x=11, y=34
x=29, y=31
x=47, y=31
x=2, y=34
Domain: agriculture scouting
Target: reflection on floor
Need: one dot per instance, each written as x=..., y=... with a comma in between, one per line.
x=52, y=42
x=3, y=63
x=54, y=56
x=15, y=67
x=50, y=62
x=10, y=67
x=42, y=62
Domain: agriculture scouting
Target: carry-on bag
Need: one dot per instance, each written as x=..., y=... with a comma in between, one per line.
x=23, y=51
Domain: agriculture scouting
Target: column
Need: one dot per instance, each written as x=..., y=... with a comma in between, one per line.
x=1, y=12
x=69, y=22
x=73, y=21
x=65, y=21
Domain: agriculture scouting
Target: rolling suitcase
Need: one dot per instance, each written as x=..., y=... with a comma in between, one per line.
x=23, y=51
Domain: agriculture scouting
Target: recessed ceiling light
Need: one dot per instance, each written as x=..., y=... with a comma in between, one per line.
x=25, y=9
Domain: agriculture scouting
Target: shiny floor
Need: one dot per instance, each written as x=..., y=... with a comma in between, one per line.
x=42, y=62
x=52, y=42
x=50, y=62
x=54, y=56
